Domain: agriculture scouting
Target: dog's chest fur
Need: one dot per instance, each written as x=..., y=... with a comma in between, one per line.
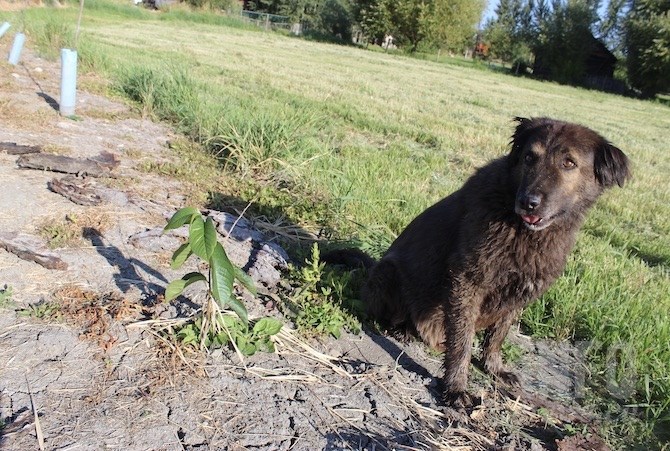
x=515, y=266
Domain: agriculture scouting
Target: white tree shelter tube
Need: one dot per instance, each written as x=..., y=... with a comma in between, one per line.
x=3, y=28
x=68, y=81
x=15, y=53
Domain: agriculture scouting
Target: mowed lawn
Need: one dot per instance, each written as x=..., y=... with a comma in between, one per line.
x=374, y=138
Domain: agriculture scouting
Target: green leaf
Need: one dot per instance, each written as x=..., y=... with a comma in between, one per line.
x=334, y=329
x=238, y=307
x=188, y=334
x=266, y=345
x=202, y=236
x=249, y=349
x=245, y=346
x=210, y=237
x=222, y=276
x=181, y=217
x=181, y=255
x=245, y=280
x=231, y=323
x=175, y=287
x=267, y=326
x=222, y=338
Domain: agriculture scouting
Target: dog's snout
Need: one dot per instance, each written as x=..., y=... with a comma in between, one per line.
x=530, y=202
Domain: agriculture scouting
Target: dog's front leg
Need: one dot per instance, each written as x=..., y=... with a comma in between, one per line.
x=493, y=340
x=460, y=327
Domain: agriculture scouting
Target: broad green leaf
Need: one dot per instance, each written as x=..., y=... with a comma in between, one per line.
x=245, y=280
x=175, y=287
x=249, y=349
x=245, y=346
x=231, y=323
x=202, y=236
x=267, y=326
x=210, y=237
x=196, y=236
x=181, y=255
x=181, y=217
x=238, y=307
x=222, y=276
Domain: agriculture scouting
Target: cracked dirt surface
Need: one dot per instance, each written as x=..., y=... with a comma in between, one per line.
x=130, y=390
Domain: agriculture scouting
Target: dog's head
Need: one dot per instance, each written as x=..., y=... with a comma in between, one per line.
x=561, y=169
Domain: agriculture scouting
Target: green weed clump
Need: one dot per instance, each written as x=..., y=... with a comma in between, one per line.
x=6, y=297
x=247, y=338
x=321, y=303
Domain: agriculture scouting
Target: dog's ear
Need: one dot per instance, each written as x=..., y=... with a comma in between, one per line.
x=521, y=134
x=610, y=165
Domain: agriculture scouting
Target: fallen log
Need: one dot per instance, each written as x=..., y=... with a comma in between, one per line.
x=95, y=167
x=31, y=248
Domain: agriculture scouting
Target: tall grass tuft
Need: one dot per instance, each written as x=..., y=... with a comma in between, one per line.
x=168, y=95
x=50, y=36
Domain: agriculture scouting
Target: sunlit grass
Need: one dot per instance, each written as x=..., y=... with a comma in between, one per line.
x=359, y=142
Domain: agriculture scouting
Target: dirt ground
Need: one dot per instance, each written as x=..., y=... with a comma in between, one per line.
x=100, y=377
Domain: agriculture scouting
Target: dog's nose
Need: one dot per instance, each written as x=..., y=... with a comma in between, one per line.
x=530, y=202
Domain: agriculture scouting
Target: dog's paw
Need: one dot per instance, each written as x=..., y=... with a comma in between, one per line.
x=458, y=400
x=510, y=379
x=456, y=417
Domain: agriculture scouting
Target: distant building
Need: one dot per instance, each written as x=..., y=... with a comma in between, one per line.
x=599, y=65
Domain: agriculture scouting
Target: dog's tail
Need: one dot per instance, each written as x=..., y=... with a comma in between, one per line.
x=351, y=258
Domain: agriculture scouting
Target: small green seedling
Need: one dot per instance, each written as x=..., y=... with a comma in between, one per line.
x=202, y=241
x=215, y=329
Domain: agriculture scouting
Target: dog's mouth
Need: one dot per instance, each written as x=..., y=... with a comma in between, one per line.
x=534, y=222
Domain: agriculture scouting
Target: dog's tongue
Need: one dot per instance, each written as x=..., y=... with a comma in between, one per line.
x=531, y=219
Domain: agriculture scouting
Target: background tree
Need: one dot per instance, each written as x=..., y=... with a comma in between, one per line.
x=451, y=24
x=374, y=18
x=509, y=35
x=647, y=41
x=562, y=49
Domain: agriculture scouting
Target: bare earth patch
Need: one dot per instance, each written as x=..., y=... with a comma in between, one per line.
x=97, y=376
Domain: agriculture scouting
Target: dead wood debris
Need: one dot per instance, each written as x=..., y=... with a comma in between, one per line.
x=31, y=248
x=75, y=189
x=100, y=166
x=18, y=149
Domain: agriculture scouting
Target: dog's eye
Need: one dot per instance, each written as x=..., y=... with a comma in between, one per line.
x=569, y=164
x=529, y=158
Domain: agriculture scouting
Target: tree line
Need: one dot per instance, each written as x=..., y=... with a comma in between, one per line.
x=563, y=32
x=552, y=36
x=425, y=25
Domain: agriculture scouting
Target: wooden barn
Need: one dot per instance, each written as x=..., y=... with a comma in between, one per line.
x=599, y=65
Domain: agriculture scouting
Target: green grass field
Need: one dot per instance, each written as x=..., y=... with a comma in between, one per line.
x=358, y=142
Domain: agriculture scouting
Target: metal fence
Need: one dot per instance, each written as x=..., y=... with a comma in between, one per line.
x=267, y=21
